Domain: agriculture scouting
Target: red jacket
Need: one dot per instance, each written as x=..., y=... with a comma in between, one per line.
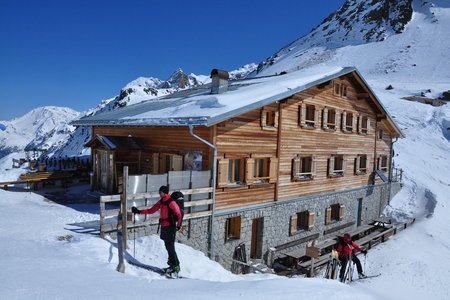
x=347, y=249
x=164, y=214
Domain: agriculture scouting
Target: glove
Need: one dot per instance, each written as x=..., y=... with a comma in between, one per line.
x=178, y=227
x=135, y=210
x=364, y=252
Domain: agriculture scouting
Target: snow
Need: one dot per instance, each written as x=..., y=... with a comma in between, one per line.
x=44, y=257
x=206, y=105
x=415, y=264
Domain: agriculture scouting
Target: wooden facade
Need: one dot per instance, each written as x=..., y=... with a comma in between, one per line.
x=330, y=137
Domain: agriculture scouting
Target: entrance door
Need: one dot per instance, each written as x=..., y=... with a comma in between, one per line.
x=257, y=237
x=359, y=212
x=104, y=167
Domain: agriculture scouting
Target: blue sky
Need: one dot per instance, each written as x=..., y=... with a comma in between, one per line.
x=76, y=52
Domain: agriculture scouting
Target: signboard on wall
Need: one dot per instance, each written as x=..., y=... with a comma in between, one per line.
x=193, y=161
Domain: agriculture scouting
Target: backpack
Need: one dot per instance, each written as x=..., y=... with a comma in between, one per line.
x=178, y=197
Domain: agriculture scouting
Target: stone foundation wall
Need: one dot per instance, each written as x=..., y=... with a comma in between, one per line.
x=275, y=239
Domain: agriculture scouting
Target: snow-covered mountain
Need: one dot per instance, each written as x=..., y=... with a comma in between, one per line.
x=140, y=89
x=43, y=128
x=377, y=36
x=410, y=52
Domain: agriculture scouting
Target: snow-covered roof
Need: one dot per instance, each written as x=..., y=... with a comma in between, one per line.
x=199, y=107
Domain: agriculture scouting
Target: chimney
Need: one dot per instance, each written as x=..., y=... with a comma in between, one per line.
x=219, y=81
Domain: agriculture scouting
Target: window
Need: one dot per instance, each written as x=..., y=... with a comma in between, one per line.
x=309, y=116
x=269, y=119
x=304, y=168
x=364, y=125
x=380, y=134
x=361, y=164
x=233, y=229
x=382, y=163
x=163, y=163
x=329, y=118
x=236, y=171
x=336, y=166
x=340, y=89
x=337, y=89
x=302, y=221
x=344, y=90
x=261, y=168
x=334, y=213
x=347, y=121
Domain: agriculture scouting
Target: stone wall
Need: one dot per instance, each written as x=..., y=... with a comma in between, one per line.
x=275, y=217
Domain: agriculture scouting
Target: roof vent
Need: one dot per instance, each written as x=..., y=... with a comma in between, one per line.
x=219, y=81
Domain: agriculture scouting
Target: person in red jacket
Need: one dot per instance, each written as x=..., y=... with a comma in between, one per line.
x=170, y=219
x=346, y=251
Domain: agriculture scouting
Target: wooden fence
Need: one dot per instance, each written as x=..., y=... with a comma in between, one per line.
x=142, y=191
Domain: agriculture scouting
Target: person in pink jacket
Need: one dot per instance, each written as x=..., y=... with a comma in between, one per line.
x=170, y=219
x=346, y=251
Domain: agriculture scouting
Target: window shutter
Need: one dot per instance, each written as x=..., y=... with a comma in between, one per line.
x=354, y=121
x=273, y=171
x=357, y=163
x=311, y=220
x=337, y=119
x=313, y=167
x=237, y=226
x=328, y=216
x=331, y=166
x=369, y=164
x=295, y=167
x=316, y=117
x=325, y=118
x=249, y=171
x=344, y=121
x=263, y=118
x=275, y=122
x=177, y=163
x=293, y=225
x=360, y=119
x=155, y=163
x=344, y=164
x=341, y=212
x=302, y=114
x=368, y=125
x=222, y=169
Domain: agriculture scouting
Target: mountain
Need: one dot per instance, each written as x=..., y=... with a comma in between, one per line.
x=43, y=127
x=140, y=89
x=399, y=33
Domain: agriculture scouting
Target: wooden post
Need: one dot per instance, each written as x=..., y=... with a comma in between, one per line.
x=122, y=223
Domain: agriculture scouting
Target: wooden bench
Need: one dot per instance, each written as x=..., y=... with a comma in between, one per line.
x=38, y=177
x=13, y=183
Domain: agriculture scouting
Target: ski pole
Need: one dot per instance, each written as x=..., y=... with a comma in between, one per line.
x=365, y=258
x=134, y=231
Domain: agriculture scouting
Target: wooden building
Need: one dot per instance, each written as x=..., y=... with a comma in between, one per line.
x=279, y=140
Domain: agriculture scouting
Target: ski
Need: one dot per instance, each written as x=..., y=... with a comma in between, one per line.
x=147, y=267
x=154, y=269
x=368, y=276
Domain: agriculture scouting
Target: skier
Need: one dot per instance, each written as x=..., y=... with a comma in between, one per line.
x=170, y=221
x=347, y=249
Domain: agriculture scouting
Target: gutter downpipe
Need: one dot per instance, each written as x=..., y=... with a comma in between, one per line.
x=391, y=157
x=211, y=235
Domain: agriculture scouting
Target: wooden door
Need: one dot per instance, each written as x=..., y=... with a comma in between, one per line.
x=103, y=170
x=257, y=237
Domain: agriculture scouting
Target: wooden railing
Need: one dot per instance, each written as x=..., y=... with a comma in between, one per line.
x=109, y=216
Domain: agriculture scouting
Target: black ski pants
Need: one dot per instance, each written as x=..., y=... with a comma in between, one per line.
x=344, y=261
x=168, y=236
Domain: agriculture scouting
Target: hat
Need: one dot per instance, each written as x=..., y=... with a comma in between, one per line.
x=347, y=237
x=164, y=189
